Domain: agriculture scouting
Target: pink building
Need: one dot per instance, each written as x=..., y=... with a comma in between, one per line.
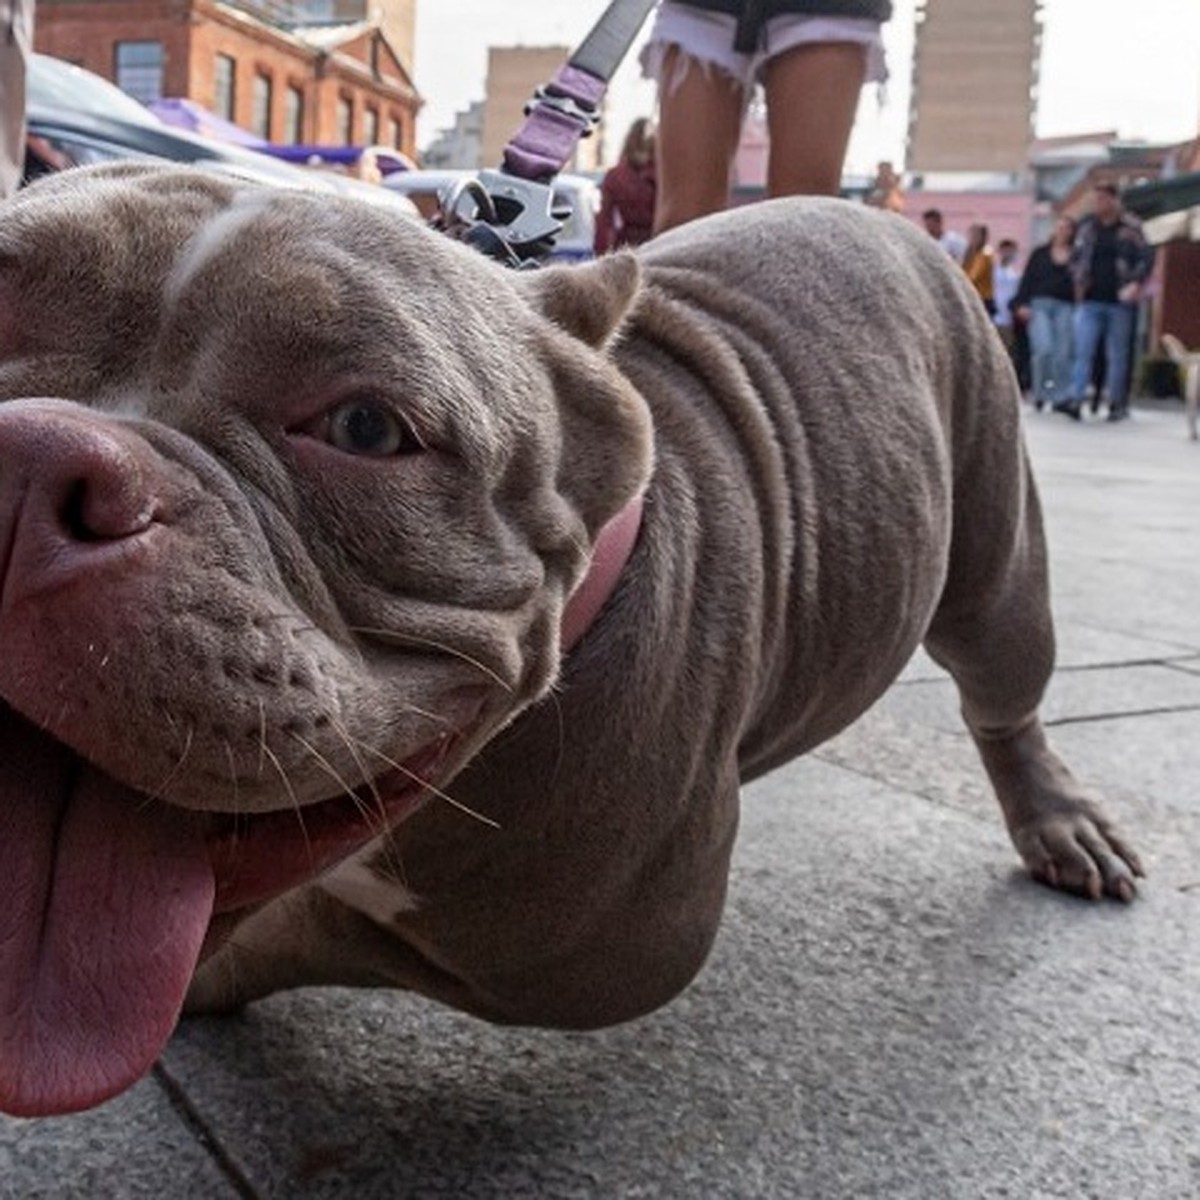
x=1006, y=214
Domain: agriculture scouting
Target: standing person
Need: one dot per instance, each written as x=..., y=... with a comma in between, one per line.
x=885, y=191
x=1005, y=278
x=1110, y=263
x=627, y=192
x=1045, y=300
x=952, y=242
x=16, y=37
x=978, y=262
x=812, y=58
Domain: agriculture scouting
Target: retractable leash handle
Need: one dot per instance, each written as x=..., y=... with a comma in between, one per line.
x=509, y=213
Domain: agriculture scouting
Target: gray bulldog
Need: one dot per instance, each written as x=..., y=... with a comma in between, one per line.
x=372, y=615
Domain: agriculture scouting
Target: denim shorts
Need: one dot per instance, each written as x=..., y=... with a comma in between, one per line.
x=707, y=37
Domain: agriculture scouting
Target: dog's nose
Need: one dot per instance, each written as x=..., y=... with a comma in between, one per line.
x=73, y=491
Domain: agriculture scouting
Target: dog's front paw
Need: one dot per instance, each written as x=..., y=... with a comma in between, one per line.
x=1078, y=849
x=1061, y=833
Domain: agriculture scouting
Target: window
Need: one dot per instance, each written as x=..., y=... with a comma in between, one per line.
x=345, y=120
x=370, y=135
x=262, y=107
x=293, y=116
x=397, y=139
x=224, y=73
x=139, y=69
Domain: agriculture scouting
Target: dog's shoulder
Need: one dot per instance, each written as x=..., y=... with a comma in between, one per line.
x=814, y=252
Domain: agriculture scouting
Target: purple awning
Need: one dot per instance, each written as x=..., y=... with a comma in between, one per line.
x=386, y=159
x=187, y=114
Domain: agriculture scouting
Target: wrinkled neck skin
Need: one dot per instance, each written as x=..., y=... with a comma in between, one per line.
x=748, y=626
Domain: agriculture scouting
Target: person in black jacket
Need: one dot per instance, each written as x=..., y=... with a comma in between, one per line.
x=812, y=58
x=1111, y=262
x=1045, y=300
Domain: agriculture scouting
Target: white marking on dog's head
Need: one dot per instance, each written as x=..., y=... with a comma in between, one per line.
x=215, y=234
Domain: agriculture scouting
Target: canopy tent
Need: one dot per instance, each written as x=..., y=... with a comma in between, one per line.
x=187, y=114
x=1169, y=208
x=364, y=161
x=385, y=159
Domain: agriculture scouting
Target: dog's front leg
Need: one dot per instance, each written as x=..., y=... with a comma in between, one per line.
x=993, y=632
x=300, y=939
x=1061, y=833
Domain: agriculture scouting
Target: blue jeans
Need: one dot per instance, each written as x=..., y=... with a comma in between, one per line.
x=1051, y=341
x=1112, y=323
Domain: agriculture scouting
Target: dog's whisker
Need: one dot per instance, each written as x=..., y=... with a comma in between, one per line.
x=441, y=795
x=233, y=777
x=376, y=817
x=262, y=735
x=287, y=784
x=408, y=639
x=359, y=762
x=160, y=791
x=432, y=717
x=335, y=775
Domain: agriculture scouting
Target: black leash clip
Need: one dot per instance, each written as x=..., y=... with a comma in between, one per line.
x=513, y=220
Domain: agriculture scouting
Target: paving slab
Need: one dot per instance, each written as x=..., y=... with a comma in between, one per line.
x=892, y=1009
x=138, y=1147
x=1114, y=691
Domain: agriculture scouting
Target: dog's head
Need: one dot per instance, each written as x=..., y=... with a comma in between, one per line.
x=292, y=497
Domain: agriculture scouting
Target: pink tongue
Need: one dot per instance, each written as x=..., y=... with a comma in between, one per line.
x=105, y=898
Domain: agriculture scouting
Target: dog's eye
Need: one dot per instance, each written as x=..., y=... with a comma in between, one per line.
x=368, y=428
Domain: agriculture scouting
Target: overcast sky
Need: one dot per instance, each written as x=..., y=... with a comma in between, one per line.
x=1106, y=64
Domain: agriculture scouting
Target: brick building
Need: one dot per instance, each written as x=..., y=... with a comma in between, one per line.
x=273, y=69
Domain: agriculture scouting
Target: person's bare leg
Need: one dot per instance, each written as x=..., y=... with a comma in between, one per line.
x=699, y=122
x=16, y=37
x=812, y=96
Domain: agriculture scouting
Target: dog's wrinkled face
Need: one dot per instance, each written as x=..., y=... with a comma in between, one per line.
x=291, y=498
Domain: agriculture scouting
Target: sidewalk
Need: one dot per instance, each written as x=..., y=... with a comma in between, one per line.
x=892, y=1009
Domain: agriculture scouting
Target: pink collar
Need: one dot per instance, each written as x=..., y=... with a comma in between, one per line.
x=609, y=556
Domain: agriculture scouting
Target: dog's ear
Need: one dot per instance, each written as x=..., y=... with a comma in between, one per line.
x=589, y=301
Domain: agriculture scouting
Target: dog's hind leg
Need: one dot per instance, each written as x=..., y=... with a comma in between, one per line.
x=993, y=632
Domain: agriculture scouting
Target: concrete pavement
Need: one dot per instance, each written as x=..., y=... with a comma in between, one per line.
x=892, y=1009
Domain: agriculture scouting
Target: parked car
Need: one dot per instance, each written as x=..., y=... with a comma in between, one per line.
x=75, y=118
x=576, y=195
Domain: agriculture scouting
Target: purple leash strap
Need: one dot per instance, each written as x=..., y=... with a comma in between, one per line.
x=562, y=112
x=517, y=221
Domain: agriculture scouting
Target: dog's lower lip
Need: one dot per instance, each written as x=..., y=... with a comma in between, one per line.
x=256, y=857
